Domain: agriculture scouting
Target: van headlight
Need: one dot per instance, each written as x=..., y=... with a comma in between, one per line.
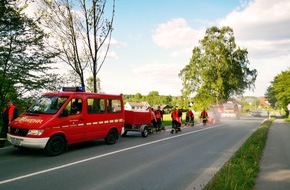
x=35, y=132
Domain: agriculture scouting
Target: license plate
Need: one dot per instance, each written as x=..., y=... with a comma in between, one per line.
x=15, y=141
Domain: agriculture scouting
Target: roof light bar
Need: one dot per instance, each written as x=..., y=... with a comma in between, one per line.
x=73, y=89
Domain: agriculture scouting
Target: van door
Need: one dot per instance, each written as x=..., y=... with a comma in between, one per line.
x=72, y=124
x=103, y=115
x=96, y=126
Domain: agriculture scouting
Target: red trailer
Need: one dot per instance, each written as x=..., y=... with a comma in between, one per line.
x=139, y=121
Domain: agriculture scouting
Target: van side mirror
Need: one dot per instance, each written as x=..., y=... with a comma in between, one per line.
x=64, y=113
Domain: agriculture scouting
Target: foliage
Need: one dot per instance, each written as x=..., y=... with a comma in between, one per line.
x=24, y=58
x=270, y=95
x=153, y=98
x=242, y=169
x=217, y=69
x=90, y=85
x=81, y=32
x=250, y=103
x=278, y=93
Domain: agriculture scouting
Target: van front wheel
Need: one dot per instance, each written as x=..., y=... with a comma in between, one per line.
x=55, y=146
x=111, y=137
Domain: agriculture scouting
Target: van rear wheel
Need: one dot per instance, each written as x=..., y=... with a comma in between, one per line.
x=111, y=137
x=55, y=146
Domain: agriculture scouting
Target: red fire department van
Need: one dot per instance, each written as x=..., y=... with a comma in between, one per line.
x=58, y=119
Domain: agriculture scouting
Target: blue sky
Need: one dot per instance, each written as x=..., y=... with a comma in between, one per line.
x=153, y=39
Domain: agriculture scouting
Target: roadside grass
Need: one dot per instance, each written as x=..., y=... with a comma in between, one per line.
x=240, y=172
x=167, y=121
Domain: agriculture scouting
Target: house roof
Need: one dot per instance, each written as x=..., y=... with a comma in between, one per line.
x=162, y=106
x=264, y=101
x=138, y=104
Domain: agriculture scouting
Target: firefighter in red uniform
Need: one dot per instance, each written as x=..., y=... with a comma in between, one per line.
x=179, y=119
x=153, y=120
x=189, y=118
x=159, y=118
x=10, y=112
x=204, y=116
x=173, y=122
x=176, y=121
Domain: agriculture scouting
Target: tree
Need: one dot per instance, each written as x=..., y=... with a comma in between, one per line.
x=137, y=97
x=81, y=32
x=270, y=95
x=279, y=91
x=90, y=84
x=218, y=68
x=24, y=58
x=153, y=98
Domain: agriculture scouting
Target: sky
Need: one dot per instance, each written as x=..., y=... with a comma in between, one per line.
x=153, y=40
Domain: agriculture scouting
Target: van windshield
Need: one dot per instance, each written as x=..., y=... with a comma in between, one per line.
x=47, y=105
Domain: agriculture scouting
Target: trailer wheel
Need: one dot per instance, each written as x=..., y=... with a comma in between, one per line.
x=111, y=137
x=145, y=132
x=55, y=146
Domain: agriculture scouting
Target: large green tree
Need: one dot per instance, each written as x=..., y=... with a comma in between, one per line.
x=24, y=59
x=218, y=69
x=278, y=93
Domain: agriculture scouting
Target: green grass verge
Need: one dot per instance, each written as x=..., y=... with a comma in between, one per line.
x=240, y=172
x=167, y=121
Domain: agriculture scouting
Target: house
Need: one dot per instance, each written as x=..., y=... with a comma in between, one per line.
x=264, y=102
x=139, y=106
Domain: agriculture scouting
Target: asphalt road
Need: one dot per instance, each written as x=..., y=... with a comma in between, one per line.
x=186, y=160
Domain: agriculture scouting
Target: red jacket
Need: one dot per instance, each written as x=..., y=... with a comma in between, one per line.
x=204, y=114
x=189, y=114
x=158, y=114
x=11, y=114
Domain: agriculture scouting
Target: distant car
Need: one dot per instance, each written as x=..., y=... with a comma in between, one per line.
x=256, y=113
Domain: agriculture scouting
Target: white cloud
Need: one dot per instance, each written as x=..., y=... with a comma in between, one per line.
x=175, y=33
x=153, y=76
x=182, y=52
x=263, y=26
x=260, y=26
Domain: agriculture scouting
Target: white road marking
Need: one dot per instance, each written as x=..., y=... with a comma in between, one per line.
x=103, y=155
